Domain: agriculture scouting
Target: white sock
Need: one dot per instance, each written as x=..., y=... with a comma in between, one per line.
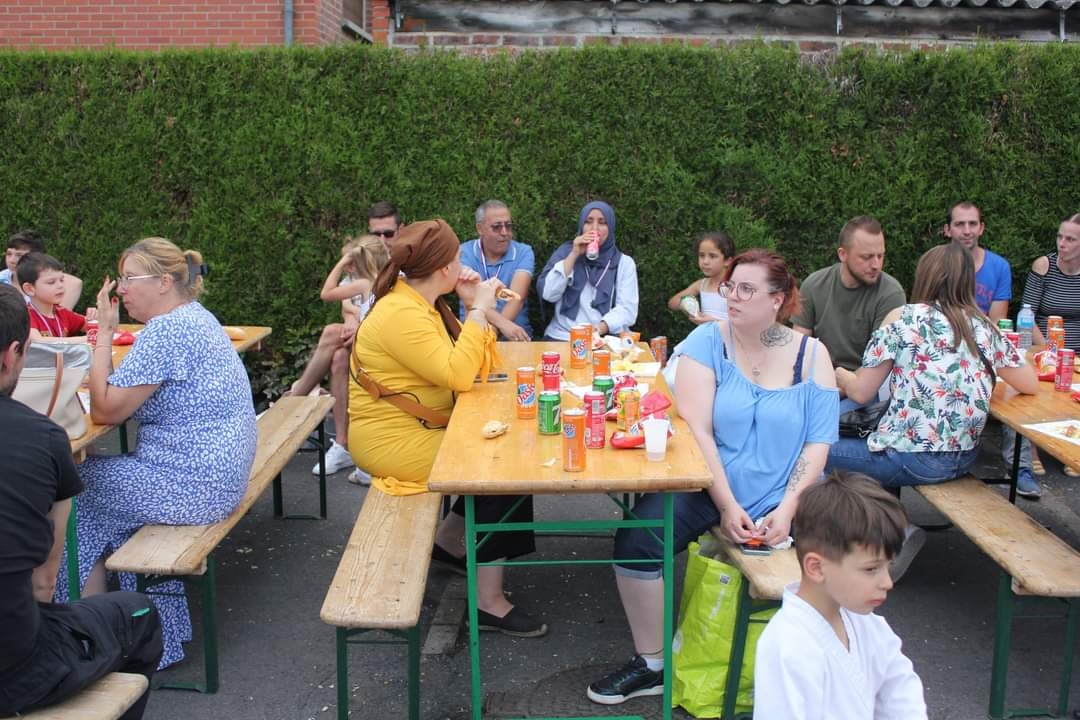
x=653, y=663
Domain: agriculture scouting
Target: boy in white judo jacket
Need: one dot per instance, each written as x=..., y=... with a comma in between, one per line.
x=825, y=655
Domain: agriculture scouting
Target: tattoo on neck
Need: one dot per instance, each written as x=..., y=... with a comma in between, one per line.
x=775, y=335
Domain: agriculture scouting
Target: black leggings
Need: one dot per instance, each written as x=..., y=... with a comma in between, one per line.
x=492, y=508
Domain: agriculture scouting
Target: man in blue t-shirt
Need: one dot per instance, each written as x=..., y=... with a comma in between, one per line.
x=495, y=253
x=993, y=276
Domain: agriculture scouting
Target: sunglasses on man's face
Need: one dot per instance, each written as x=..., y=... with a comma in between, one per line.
x=383, y=233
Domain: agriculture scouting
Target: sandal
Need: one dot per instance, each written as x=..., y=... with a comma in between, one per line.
x=1037, y=468
x=516, y=623
x=1072, y=472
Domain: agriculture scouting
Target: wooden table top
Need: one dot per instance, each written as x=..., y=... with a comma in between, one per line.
x=520, y=460
x=1048, y=405
x=255, y=334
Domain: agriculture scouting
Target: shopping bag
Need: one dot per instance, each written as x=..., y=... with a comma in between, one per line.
x=50, y=381
x=702, y=643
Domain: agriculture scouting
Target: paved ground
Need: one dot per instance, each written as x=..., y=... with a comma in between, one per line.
x=278, y=658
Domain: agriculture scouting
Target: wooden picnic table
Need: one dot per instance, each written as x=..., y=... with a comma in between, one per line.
x=524, y=462
x=1048, y=405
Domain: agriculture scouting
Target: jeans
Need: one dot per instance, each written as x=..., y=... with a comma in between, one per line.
x=695, y=513
x=897, y=469
x=1008, y=446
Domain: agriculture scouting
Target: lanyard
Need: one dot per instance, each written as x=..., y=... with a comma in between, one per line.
x=45, y=320
x=596, y=283
x=484, y=262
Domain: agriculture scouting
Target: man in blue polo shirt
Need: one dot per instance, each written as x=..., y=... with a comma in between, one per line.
x=495, y=253
x=993, y=276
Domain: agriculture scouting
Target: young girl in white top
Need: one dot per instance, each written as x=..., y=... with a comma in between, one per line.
x=714, y=253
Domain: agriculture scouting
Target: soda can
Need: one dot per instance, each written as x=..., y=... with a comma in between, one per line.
x=1013, y=337
x=580, y=340
x=1005, y=325
x=547, y=413
x=1055, y=321
x=658, y=345
x=601, y=362
x=91, y=333
x=526, y=392
x=1064, y=377
x=1055, y=339
x=552, y=371
x=606, y=385
x=592, y=250
x=629, y=408
x=595, y=412
x=573, y=440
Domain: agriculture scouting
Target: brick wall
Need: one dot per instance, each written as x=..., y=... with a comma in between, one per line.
x=156, y=24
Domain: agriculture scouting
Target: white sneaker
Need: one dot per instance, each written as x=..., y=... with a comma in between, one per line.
x=360, y=477
x=914, y=539
x=337, y=458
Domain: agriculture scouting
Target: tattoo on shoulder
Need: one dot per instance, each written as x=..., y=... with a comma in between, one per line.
x=775, y=335
x=798, y=473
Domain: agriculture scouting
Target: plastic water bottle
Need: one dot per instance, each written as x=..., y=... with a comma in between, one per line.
x=1025, y=326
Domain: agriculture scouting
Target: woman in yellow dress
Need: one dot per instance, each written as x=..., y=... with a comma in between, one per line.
x=412, y=344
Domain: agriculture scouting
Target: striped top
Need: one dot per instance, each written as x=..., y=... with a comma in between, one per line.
x=1055, y=294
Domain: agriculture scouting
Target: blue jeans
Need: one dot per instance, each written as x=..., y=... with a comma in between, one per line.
x=897, y=469
x=694, y=512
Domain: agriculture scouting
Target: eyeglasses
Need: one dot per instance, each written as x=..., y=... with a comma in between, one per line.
x=125, y=280
x=742, y=292
x=383, y=233
x=500, y=226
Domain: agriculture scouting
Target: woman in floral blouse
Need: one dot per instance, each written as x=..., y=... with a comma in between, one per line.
x=935, y=351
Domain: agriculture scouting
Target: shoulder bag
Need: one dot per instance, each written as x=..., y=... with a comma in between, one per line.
x=50, y=381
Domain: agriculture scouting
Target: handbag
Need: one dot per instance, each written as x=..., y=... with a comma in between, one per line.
x=860, y=422
x=431, y=419
x=50, y=382
x=702, y=644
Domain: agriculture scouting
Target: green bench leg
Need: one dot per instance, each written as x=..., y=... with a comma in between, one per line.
x=413, y=635
x=738, y=648
x=278, y=501
x=411, y=639
x=72, y=547
x=999, y=671
x=342, y=646
x=1073, y=619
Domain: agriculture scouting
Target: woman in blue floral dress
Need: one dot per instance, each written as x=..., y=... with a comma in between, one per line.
x=932, y=351
x=188, y=391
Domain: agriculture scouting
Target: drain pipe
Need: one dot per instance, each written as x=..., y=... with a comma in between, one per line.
x=289, y=12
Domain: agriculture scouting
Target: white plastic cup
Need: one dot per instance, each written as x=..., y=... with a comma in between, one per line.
x=656, y=434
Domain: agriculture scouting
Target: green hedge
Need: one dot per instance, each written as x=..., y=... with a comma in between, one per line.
x=264, y=160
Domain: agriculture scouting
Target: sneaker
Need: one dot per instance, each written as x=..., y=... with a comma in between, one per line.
x=360, y=477
x=914, y=539
x=337, y=458
x=1027, y=486
x=634, y=679
x=516, y=623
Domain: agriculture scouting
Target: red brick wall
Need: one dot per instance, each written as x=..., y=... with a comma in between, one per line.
x=155, y=24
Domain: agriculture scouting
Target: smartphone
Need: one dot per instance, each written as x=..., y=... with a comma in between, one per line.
x=755, y=548
x=496, y=377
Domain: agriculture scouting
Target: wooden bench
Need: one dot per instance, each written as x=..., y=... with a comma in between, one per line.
x=169, y=551
x=1033, y=562
x=764, y=580
x=380, y=581
x=107, y=699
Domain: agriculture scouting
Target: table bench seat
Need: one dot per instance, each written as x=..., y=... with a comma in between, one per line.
x=107, y=699
x=187, y=550
x=1033, y=561
x=380, y=581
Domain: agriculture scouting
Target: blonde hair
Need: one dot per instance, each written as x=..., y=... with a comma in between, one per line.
x=162, y=257
x=367, y=256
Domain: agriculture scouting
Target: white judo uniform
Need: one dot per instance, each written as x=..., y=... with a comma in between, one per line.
x=804, y=672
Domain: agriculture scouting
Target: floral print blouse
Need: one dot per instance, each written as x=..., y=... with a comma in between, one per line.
x=940, y=395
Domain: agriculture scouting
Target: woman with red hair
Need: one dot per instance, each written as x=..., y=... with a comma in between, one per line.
x=761, y=402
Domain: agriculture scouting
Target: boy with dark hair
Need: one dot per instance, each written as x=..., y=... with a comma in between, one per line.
x=42, y=280
x=825, y=655
x=23, y=243
x=49, y=650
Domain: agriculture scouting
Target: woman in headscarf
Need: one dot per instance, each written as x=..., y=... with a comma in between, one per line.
x=412, y=345
x=600, y=291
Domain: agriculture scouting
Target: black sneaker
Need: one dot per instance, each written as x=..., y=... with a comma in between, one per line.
x=634, y=679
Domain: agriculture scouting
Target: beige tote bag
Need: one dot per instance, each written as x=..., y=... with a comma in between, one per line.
x=50, y=381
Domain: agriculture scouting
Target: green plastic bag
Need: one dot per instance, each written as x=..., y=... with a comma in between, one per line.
x=702, y=643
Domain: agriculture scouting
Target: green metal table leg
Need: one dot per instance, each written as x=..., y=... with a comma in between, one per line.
x=1071, y=622
x=322, y=469
x=999, y=671
x=414, y=672
x=210, y=648
x=72, y=546
x=738, y=649
x=669, y=598
x=474, y=617
x=341, y=639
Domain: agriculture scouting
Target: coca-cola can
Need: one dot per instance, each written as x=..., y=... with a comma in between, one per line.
x=551, y=370
x=595, y=416
x=1064, y=376
x=91, y=332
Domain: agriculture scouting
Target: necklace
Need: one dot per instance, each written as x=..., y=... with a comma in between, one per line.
x=48, y=325
x=755, y=365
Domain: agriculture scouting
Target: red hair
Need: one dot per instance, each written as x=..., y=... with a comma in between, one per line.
x=776, y=272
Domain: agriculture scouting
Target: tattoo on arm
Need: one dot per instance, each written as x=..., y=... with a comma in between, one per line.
x=798, y=474
x=776, y=335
